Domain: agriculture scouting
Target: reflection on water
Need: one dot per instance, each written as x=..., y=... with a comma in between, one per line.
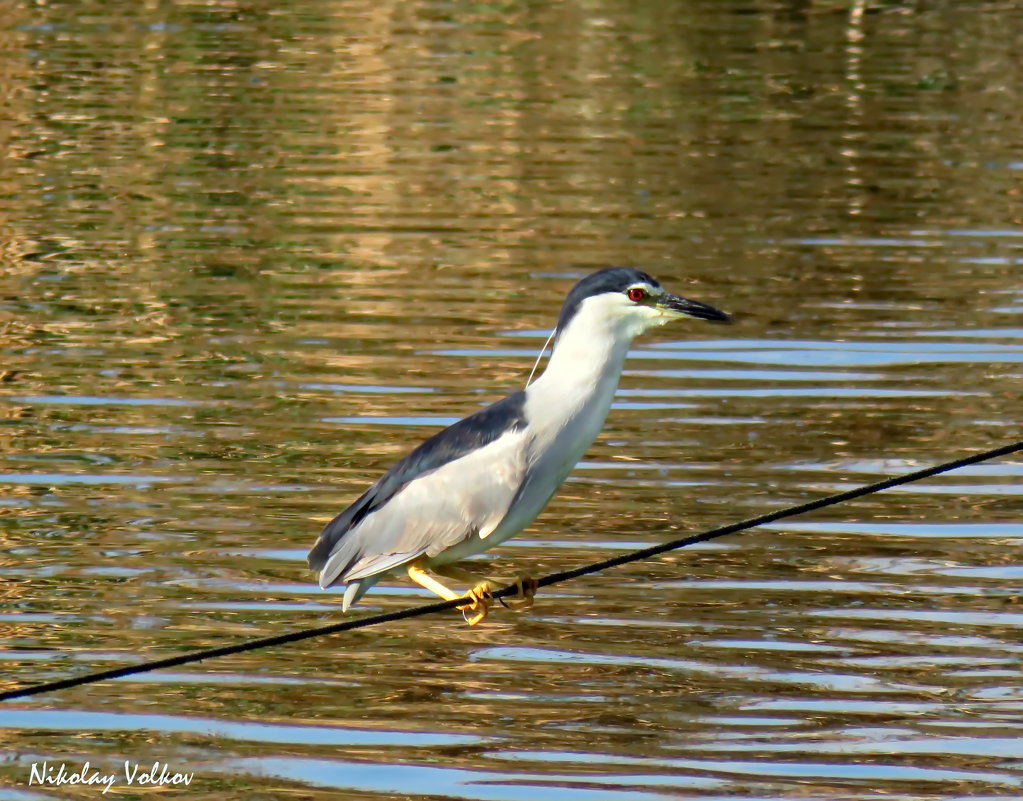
x=249, y=256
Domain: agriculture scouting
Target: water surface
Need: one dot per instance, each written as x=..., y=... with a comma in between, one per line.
x=250, y=255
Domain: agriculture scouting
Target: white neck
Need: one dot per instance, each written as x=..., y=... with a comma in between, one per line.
x=583, y=356
x=581, y=377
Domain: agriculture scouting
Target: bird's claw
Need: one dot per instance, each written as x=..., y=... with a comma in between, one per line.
x=479, y=600
x=525, y=589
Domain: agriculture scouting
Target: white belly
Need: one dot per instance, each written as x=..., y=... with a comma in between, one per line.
x=555, y=450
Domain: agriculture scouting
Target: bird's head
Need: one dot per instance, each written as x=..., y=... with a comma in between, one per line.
x=628, y=302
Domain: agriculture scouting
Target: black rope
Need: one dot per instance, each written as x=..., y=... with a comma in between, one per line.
x=546, y=581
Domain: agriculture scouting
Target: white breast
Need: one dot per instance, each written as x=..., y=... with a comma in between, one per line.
x=566, y=408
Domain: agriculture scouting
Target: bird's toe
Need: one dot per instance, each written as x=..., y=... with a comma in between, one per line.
x=479, y=600
x=525, y=589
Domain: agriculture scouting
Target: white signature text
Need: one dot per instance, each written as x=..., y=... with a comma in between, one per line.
x=156, y=775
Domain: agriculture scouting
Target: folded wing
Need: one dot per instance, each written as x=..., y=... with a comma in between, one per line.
x=458, y=484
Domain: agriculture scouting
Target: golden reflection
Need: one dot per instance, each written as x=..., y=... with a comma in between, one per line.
x=250, y=252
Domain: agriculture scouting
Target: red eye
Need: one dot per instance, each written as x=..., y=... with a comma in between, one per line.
x=636, y=294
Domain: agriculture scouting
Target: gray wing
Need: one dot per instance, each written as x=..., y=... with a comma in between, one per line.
x=464, y=498
x=458, y=483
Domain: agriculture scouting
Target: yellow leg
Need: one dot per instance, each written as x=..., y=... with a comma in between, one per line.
x=522, y=600
x=479, y=598
x=420, y=577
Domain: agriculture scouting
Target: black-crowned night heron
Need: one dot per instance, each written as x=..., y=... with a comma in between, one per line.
x=485, y=478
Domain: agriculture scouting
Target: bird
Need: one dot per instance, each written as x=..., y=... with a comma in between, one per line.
x=485, y=478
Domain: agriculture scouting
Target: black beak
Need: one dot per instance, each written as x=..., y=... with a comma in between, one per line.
x=692, y=308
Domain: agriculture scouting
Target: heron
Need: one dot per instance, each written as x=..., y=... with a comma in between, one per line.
x=485, y=478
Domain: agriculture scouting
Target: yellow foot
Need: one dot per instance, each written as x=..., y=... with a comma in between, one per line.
x=480, y=599
x=526, y=588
